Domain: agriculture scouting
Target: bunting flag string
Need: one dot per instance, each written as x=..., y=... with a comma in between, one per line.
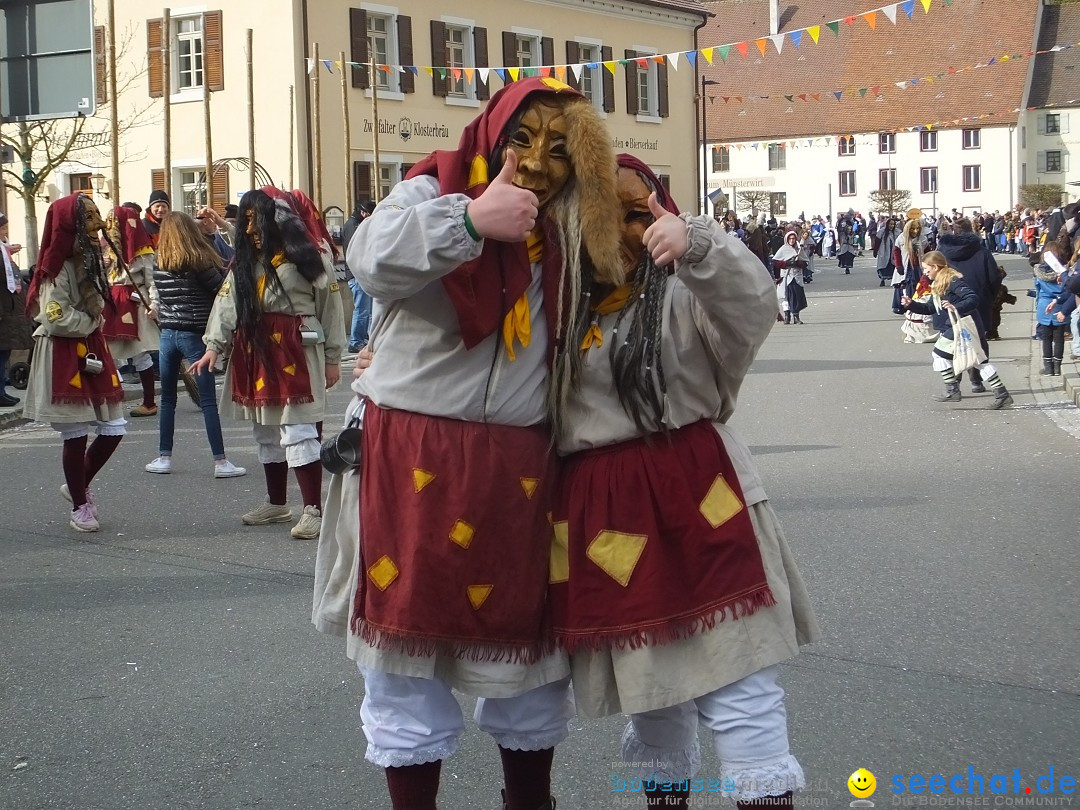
x=796, y=36
x=876, y=91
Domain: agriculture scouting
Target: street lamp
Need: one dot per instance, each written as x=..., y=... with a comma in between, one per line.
x=704, y=148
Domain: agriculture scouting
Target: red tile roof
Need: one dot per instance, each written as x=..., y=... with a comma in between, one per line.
x=693, y=6
x=1056, y=80
x=949, y=36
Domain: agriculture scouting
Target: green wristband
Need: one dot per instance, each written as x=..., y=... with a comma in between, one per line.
x=470, y=227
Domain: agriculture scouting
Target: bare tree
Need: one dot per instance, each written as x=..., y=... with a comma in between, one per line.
x=890, y=201
x=753, y=198
x=39, y=148
x=1041, y=195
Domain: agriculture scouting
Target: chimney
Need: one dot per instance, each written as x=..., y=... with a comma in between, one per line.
x=774, y=17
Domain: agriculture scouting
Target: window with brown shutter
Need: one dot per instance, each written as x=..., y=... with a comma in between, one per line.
x=510, y=57
x=362, y=181
x=213, y=50
x=219, y=189
x=438, y=57
x=662, y=88
x=609, y=80
x=631, y=83
x=157, y=181
x=480, y=57
x=153, y=58
x=358, y=47
x=101, y=76
x=573, y=56
x=405, y=52
x=547, y=51
x=405, y=169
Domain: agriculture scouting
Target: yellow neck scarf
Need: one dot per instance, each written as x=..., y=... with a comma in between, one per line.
x=260, y=285
x=615, y=300
x=517, y=325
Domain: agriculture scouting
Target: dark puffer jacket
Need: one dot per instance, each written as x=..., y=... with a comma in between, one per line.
x=967, y=253
x=186, y=298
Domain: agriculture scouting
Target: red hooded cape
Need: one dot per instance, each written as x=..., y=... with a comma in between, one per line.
x=312, y=219
x=663, y=196
x=133, y=235
x=486, y=288
x=57, y=244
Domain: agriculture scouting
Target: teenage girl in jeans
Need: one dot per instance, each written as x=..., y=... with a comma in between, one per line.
x=187, y=278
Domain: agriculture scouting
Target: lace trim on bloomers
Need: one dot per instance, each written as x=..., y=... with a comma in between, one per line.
x=644, y=761
x=400, y=758
x=756, y=781
x=532, y=742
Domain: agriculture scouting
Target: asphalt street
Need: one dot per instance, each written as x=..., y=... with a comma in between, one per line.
x=169, y=661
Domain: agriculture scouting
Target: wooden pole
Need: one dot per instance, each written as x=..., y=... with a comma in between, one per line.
x=114, y=112
x=209, y=180
x=292, y=131
x=374, y=83
x=316, y=129
x=166, y=91
x=347, y=174
x=250, y=111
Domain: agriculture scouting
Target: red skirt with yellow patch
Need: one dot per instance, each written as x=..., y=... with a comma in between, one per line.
x=72, y=383
x=455, y=537
x=275, y=372
x=653, y=542
x=122, y=318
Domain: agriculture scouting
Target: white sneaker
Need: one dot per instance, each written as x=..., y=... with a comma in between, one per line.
x=226, y=469
x=90, y=499
x=309, y=526
x=161, y=465
x=83, y=520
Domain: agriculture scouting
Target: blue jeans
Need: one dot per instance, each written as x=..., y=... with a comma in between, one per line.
x=174, y=345
x=361, y=316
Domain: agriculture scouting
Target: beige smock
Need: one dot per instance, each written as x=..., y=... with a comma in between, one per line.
x=718, y=309
x=400, y=255
x=68, y=307
x=319, y=305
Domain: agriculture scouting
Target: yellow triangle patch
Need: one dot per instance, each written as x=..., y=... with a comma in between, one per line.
x=127, y=318
x=478, y=172
x=290, y=370
x=421, y=478
x=115, y=381
x=277, y=336
x=478, y=594
x=80, y=349
x=529, y=485
x=260, y=384
x=76, y=381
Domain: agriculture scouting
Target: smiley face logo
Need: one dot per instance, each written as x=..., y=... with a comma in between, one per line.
x=862, y=784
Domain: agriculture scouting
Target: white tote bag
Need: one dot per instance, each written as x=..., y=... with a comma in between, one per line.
x=967, y=348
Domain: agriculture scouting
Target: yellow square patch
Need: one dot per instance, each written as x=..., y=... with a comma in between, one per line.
x=720, y=503
x=559, y=564
x=226, y=288
x=334, y=286
x=53, y=312
x=462, y=534
x=617, y=553
x=383, y=573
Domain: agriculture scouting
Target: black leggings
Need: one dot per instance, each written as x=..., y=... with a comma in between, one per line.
x=1054, y=340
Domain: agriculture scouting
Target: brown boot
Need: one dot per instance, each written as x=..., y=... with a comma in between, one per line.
x=784, y=801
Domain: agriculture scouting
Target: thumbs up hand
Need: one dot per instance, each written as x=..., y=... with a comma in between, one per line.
x=667, y=239
x=504, y=211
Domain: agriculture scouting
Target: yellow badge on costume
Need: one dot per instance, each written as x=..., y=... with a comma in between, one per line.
x=226, y=286
x=334, y=286
x=53, y=312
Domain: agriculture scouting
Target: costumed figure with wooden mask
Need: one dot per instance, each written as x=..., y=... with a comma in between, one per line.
x=129, y=328
x=672, y=585
x=282, y=315
x=73, y=382
x=476, y=264
x=908, y=252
